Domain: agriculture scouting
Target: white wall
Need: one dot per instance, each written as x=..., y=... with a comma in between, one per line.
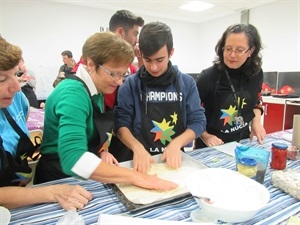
x=280, y=33
x=44, y=29
x=208, y=35
x=279, y=27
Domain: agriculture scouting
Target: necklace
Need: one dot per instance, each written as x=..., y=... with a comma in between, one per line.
x=238, y=119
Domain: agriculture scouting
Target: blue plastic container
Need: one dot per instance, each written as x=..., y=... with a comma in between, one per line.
x=261, y=156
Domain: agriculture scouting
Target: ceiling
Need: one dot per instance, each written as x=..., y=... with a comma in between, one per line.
x=168, y=9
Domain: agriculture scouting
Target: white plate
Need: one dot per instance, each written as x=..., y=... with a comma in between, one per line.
x=4, y=216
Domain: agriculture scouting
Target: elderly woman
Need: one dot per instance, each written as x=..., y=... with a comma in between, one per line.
x=14, y=108
x=75, y=118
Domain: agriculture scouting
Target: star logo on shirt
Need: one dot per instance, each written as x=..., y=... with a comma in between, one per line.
x=163, y=131
x=228, y=115
x=174, y=117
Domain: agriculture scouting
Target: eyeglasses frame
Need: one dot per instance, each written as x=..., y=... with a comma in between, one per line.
x=235, y=51
x=113, y=75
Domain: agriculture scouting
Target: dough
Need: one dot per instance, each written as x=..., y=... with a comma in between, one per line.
x=143, y=196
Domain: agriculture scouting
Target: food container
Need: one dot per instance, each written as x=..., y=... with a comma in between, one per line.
x=247, y=167
x=234, y=197
x=261, y=157
x=279, y=156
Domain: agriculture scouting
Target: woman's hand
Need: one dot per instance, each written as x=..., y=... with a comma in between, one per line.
x=70, y=197
x=259, y=131
x=153, y=182
x=257, y=128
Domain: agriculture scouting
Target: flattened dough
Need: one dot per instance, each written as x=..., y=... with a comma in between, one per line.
x=143, y=196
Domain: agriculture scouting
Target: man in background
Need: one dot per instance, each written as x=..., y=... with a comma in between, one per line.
x=126, y=25
x=66, y=68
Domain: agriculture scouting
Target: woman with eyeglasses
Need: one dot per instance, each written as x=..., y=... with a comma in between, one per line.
x=230, y=89
x=77, y=130
x=15, y=172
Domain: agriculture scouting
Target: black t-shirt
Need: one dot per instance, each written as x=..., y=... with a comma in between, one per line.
x=66, y=69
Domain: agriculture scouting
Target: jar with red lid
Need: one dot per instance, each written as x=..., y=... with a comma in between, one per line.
x=279, y=156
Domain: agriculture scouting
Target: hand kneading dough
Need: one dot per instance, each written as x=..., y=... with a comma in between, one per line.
x=144, y=196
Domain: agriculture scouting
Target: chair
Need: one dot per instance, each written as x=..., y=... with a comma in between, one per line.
x=36, y=138
x=36, y=135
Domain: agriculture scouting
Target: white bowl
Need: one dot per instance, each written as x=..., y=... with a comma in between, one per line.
x=4, y=216
x=235, y=197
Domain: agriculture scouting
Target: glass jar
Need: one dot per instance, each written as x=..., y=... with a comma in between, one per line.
x=293, y=153
x=247, y=167
x=278, y=156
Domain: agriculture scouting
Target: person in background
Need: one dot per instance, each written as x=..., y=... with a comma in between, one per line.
x=125, y=25
x=74, y=122
x=27, y=81
x=66, y=68
x=158, y=108
x=230, y=89
x=12, y=99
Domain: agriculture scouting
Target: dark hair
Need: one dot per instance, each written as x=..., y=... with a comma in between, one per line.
x=67, y=53
x=253, y=64
x=153, y=37
x=124, y=19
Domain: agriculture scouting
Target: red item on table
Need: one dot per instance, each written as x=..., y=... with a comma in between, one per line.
x=279, y=156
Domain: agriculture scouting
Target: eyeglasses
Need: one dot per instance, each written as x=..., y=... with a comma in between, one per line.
x=114, y=75
x=237, y=51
